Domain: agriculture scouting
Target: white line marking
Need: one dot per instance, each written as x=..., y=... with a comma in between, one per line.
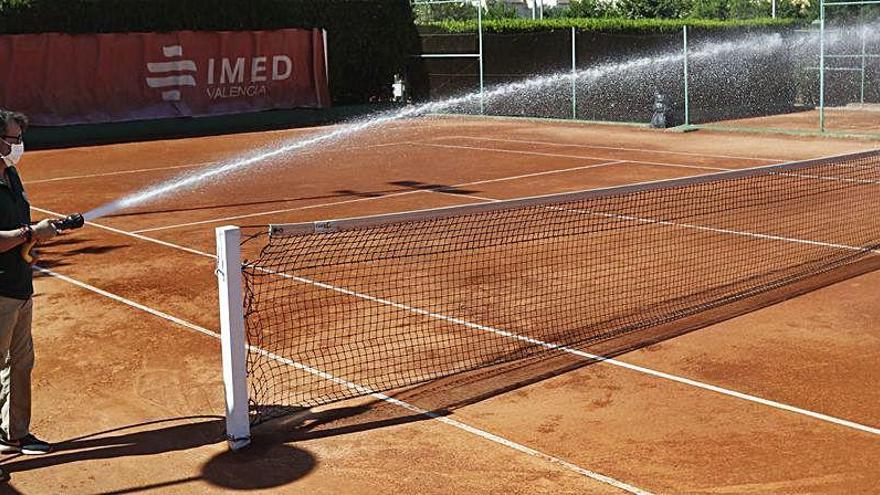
x=111, y=174
x=538, y=174
x=754, y=235
x=270, y=212
x=361, y=389
x=613, y=148
x=586, y=355
x=392, y=195
x=128, y=302
x=203, y=164
x=559, y=155
x=861, y=182
x=614, y=362
x=131, y=234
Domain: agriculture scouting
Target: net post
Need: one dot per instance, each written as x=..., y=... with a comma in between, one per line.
x=232, y=341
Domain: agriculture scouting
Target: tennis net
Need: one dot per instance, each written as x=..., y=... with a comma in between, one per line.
x=343, y=308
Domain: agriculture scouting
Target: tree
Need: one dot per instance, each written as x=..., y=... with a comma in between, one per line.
x=651, y=9
x=591, y=8
x=463, y=11
x=498, y=9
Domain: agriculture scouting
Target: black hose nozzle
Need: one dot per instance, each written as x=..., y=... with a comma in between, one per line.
x=70, y=222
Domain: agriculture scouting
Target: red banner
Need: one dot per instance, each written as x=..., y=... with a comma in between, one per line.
x=59, y=79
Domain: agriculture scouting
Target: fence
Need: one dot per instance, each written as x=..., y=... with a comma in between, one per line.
x=804, y=81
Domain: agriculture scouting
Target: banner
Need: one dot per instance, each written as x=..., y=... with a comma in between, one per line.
x=60, y=79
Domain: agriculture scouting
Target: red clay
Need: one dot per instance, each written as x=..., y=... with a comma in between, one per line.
x=103, y=365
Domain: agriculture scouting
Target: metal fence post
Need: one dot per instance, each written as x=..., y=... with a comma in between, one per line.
x=480, y=38
x=864, y=61
x=573, y=73
x=822, y=66
x=687, y=109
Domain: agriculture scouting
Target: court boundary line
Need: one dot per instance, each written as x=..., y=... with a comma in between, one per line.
x=130, y=234
x=611, y=361
x=691, y=226
x=336, y=224
x=373, y=198
x=589, y=356
x=612, y=148
x=484, y=434
x=420, y=143
x=560, y=155
x=417, y=143
x=197, y=165
x=113, y=174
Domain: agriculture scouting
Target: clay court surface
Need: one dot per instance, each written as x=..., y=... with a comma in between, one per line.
x=128, y=373
x=852, y=120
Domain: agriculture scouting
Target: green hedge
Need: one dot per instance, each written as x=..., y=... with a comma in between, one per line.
x=369, y=40
x=604, y=25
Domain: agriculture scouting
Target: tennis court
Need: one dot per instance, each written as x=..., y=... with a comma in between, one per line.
x=852, y=120
x=772, y=394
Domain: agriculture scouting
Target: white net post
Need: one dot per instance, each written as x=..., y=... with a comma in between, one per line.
x=232, y=341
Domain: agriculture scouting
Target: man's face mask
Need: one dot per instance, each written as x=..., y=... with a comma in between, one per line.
x=14, y=155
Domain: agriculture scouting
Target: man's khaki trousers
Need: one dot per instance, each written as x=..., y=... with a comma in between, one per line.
x=16, y=363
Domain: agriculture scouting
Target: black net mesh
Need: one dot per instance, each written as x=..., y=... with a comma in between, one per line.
x=335, y=315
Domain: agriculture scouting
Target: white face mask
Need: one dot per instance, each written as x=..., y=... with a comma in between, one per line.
x=14, y=155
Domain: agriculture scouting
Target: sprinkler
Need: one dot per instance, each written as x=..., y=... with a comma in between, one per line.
x=661, y=118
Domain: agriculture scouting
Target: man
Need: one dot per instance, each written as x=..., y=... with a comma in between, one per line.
x=16, y=291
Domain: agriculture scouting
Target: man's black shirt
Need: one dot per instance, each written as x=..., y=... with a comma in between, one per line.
x=16, y=278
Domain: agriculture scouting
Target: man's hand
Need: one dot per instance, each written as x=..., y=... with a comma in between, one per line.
x=44, y=230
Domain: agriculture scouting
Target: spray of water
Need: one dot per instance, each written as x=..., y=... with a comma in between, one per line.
x=728, y=51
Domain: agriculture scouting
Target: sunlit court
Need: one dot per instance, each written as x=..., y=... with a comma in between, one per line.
x=131, y=327
x=643, y=262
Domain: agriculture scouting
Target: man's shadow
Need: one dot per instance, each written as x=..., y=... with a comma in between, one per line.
x=263, y=465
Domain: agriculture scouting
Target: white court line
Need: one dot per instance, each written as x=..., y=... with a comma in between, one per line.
x=691, y=226
x=131, y=234
x=111, y=174
x=586, y=355
x=415, y=143
x=392, y=195
x=614, y=362
x=613, y=148
x=203, y=164
x=559, y=155
x=361, y=389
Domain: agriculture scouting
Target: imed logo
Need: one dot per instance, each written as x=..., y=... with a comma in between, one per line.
x=224, y=78
x=232, y=78
x=171, y=74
